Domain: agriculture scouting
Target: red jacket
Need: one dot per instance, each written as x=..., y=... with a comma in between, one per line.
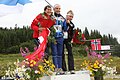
x=44, y=20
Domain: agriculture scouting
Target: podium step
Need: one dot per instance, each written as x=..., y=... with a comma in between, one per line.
x=79, y=75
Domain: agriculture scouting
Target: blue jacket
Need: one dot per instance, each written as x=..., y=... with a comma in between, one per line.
x=69, y=28
x=59, y=26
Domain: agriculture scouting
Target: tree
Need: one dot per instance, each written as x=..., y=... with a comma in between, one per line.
x=86, y=33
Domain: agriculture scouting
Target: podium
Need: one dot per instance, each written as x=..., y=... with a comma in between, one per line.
x=79, y=75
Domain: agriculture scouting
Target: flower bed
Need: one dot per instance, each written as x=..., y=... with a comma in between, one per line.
x=98, y=65
x=29, y=70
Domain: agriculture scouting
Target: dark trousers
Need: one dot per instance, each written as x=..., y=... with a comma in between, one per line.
x=36, y=42
x=70, y=57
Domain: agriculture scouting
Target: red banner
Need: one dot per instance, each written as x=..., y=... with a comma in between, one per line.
x=39, y=53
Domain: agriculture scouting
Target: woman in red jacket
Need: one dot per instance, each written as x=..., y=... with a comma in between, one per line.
x=40, y=26
x=42, y=21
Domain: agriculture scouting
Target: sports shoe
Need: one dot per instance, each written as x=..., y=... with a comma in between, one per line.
x=60, y=72
x=72, y=72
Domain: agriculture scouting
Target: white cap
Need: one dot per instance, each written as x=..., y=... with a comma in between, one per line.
x=70, y=12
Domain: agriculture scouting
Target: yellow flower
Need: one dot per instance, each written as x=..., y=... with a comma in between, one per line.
x=38, y=72
x=91, y=65
x=40, y=68
x=97, y=62
x=96, y=65
x=33, y=62
x=47, y=62
x=83, y=63
x=52, y=67
x=89, y=68
x=111, y=60
x=31, y=65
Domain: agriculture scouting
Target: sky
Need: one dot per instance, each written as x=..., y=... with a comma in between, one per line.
x=101, y=15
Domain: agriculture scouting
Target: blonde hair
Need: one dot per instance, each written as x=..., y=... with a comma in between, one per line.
x=70, y=12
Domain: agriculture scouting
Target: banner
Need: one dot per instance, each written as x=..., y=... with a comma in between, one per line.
x=39, y=53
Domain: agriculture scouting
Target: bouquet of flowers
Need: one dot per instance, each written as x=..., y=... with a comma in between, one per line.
x=78, y=37
x=96, y=63
x=29, y=70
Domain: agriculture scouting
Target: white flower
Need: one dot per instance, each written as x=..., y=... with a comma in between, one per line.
x=3, y=77
x=15, y=63
x=103, y=68
x=100, y=65
x=20, y=74
x=28, y=68
x=108, y=68
x=36, y=71
x=109, y=63
x=23, y=66
x=96, y=70
x=27, y=76
x=104, y=60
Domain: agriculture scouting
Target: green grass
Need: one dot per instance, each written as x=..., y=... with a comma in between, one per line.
x=8, y=59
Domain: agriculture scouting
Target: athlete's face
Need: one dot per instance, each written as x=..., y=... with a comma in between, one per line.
x=57, y=9
x=48, y=11
x=69, y=17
